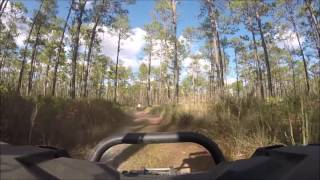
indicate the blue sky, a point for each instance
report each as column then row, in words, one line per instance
column 140, row 14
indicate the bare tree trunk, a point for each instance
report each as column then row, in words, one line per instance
column 47, row 77
column 216, row 40
column 75, row 49
column 102, row 84
column 108, row 89
column 266, row 55
column 224, row 59
column 175, row 62
column 101, row 87
column 168, row 89
column 92, row 38
column 317, row 37
column 83, row 70
column 84, row 79
column 220, row 56
column 117, row 64
column 159, row 97
column 54, row 81
column 293, row 76
column 212, row 89
column 237, row 72
column 24, row 59
column 215, row 62
column 313, row 16
column 193, row 87
column 34, row 51
column 149, row 74
column 258, row 62
column 302, row 54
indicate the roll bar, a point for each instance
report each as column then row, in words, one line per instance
column 157, row 138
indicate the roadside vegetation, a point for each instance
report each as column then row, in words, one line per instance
column 240, row 126
column 74, row 125
column 246, row 73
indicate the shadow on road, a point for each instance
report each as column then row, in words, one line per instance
column 198, row 161
column 125, row 155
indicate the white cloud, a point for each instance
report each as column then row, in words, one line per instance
column 288, row 39
column 203, row 62
column 23, row 33
column 130, row 48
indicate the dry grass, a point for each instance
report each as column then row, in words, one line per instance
column 241, row 126
column 74, row 125
column 238, row 126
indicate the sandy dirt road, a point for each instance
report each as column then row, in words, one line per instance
column 185, row 157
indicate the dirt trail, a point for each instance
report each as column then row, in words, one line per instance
column 186, row 157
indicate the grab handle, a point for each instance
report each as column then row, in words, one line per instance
column 157, row 138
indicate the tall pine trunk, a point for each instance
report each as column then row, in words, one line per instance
column 216, row 41
column 47, row 77
column 33, row 56
column 92, row 38
column 83, row 70
column 175, row 61
column 302, row 54
column 56, row 66
column 149, row 74
column 75, row 49
column 237, row 73
column 316, row 38
column 220, row 55
column 117, row 64
column 211, row 79
column 258, row 63
column 193, row 86
column 313, row 16
column 101, row 87
column 24, row 59
column 291, row 65
column 160, row 78
column 266, row 55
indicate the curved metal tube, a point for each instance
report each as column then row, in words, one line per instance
column 156, row 138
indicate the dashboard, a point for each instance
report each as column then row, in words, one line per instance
column 275, row 162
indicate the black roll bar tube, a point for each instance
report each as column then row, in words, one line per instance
column 157, row 138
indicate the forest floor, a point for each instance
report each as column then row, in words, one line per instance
column 185, row 157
